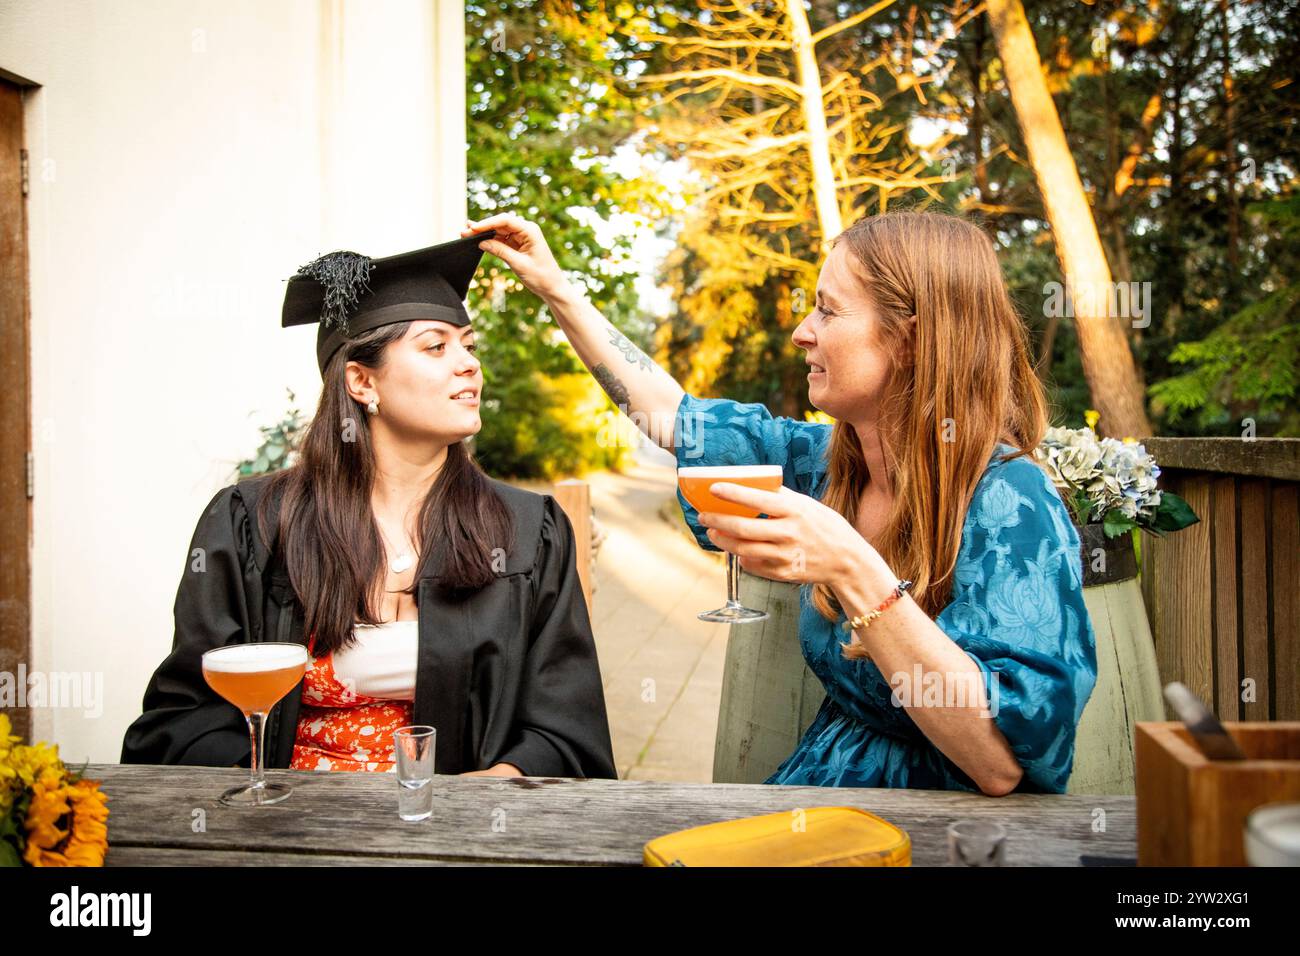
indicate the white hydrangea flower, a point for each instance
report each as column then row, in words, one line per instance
column 1114, row 475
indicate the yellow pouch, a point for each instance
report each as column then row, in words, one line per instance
column 824, row 836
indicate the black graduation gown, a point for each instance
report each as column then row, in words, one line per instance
column 507, row 674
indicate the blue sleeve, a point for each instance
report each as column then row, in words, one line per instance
column 718, row 431
column 1018, row 612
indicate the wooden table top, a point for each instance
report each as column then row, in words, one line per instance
column 165, row 815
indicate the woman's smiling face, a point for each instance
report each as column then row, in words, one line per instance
column 849, row 368
column 429, row 384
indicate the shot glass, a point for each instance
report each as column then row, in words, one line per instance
column 977, row 843
column 413, row 750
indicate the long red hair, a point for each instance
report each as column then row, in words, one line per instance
column 965, row 382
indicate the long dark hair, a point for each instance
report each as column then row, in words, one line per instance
column 326, row 532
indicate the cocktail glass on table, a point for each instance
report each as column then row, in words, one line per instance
column 695, row 483
column 254, row 677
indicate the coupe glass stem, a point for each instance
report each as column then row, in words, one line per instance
column 257, row 737
column 733, row 580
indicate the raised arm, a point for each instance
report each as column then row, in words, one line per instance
column 641, row 389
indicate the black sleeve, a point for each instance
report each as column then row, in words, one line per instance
column 184, row 720
column 561, row 725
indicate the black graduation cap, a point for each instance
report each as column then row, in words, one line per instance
column 348, row 293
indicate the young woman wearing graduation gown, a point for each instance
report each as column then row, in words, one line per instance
column 916, row 351
column 386, row 518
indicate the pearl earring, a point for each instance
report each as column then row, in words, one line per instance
column 373, row 407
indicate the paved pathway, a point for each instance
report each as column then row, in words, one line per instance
column 662, row 666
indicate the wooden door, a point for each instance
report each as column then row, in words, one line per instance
column 15, row 410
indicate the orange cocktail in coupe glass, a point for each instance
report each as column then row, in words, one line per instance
column 254, row 677
column 694, row 483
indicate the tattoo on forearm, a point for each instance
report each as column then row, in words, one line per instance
column 630, row 352
column 612, row 385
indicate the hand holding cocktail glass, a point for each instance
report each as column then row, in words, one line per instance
column 698, row 487
column 253, row 677
column 801, row 540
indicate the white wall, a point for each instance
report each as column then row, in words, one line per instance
column 186, row 157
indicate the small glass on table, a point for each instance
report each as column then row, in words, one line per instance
column 977, row 843
column 413, row 752
column 694, row 483
column 254, row 677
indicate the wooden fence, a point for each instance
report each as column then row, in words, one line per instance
column 574, row 496
column 1223, row 596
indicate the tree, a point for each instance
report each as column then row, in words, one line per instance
column 1180, row 117
column 791, row 123
column 1250, row 364
column 1167, row 116
column 542, row 125
column 1107, row 359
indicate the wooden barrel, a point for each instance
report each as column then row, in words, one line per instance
column 769, row 696
column 1128, row 682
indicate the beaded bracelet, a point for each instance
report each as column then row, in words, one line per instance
column 865, row 620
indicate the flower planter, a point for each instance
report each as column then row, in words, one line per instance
column 1128, row 686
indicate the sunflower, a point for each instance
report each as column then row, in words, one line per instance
column 31, row 762
column 22, row 766
column 81, row 807
column 9, row 783
column 7, row 737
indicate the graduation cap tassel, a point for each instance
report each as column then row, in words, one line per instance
column 343, row 276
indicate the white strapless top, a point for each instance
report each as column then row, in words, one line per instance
column 382, row 661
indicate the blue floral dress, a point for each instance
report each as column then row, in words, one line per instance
column 1017, row 610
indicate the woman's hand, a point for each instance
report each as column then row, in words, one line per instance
column 802, row 541
column 521, row 245
column 641, row 389
column 496, row 770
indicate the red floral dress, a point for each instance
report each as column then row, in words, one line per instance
column 339, row 729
